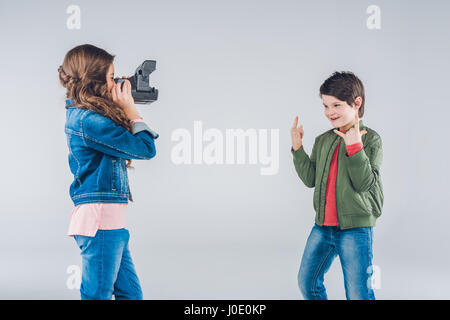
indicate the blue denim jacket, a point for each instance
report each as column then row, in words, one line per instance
column 98, row 148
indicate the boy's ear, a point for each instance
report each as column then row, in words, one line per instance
column 357, row 101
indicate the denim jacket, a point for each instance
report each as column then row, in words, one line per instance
column 98, row 148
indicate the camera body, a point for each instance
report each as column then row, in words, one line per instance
column 140, row 87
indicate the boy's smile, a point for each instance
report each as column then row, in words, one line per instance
column 339, row 112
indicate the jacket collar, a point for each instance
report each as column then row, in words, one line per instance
column 361, row 125
column 70, row 103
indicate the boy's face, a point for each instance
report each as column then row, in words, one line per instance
column 345, row 114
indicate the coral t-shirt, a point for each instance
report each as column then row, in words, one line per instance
column 330, row 194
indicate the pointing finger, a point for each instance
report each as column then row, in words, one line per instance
column 295, row 122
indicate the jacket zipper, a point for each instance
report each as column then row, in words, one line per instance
column 336, row 193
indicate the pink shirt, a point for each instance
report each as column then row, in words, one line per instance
column 87, row 218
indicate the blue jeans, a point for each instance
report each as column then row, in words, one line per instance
column 107, row 268
column 354, row 248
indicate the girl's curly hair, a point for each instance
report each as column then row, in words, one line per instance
column 83, row 73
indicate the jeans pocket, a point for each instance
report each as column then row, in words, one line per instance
column 82, row 241
column 78, row 240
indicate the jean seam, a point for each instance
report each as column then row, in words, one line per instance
column 133, row 285
column 112, row 194
column 136, row 289
column 101, row 262
column 112, row 147
column 121, row 175
column 369, row 240
column 313, row 289
column 84, row 135
column 76, row 159
column 123, row 200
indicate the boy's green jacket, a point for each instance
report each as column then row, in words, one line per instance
column 359, row 191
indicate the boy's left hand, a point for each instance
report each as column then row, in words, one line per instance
column 352, row 135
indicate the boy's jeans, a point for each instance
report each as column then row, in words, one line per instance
column 107, row 267
column 354, row 247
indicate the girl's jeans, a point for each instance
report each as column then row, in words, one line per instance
column 354, row 248
column 107, row 268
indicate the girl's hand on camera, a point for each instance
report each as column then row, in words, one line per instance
column 123, row 96
column 296, row 135
column 124, row 99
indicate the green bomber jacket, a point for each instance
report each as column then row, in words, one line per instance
column 359, row 191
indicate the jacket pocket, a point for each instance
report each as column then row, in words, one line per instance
column 353, row 203
column 316, row 199
column 375, row 197
column 123, row 167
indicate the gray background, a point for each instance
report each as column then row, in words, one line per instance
column 225, row 231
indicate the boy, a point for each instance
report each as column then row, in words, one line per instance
column 348, row 194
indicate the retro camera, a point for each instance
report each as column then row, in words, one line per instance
column 140, row 87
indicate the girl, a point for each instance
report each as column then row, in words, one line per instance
column 348, row 194
column 103, row 128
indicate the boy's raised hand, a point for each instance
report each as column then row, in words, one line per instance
column 296, row 135
column 352, row 135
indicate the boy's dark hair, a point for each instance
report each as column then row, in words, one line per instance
column 345, row 86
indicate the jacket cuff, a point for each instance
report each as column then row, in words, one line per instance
column 299, row 154
column 354, row 148
column 357, row 160
column 137, row 120
column 142, row 126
